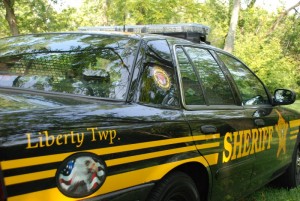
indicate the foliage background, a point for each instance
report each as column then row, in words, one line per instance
column 272, row 54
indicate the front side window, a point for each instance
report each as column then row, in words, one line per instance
column 82, row 64
column 205, row 72
column 250, row 87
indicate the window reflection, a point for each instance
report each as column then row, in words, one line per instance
column 91, row 65
column 214, row 83
column 251, row 89
column 158, row 84
column 191, row 87
column 158, row 51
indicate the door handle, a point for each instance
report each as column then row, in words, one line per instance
column 259, row 122
column 208, row 129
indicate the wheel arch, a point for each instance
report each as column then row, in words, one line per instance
column 198, row 172
column 200, row 175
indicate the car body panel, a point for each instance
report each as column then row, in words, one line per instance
column 95, row 128
column 138, row 137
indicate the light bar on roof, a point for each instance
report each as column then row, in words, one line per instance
column 155, row 28
column 194, row 32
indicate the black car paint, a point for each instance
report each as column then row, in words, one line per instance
column 61, row 117
column 56, row 114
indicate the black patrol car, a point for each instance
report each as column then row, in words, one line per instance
column 100, row 116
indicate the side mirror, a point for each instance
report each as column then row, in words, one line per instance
column 284, row 97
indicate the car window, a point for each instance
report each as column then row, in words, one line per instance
column 158, row 84
column 69, row 63
column 192, row 91
column 251, row 89
column 214, row 84
column 159, row 50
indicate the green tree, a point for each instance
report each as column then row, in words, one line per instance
column 10, row 16
column 272, row 56
column 4, row 30
column 214, row 14
column 130, row 12
column 94, row 13
column 37, row 16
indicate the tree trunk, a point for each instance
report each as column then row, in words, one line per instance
column 10, row 16
column 229, row 42
column 105, row 8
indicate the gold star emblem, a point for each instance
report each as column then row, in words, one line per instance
column 282, row 128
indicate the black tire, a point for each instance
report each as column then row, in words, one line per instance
column 176, row 186
column 293, row 172
column 291, row 178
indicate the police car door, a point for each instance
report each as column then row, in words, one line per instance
column 219, row 126
column 271, row 143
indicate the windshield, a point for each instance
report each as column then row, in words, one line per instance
column 74, row 63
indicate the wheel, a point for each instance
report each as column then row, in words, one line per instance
column 177, row 186
column 291, row 178
column 293, row 172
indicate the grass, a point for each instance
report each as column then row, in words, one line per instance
column 273, row 194
column 295, row 106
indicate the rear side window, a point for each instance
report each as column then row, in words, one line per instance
column 158, row 85
column 207, row 74
column 192, row 90
column 69, row 63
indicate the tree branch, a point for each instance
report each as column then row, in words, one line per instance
column 281, row 18
column 251, row 4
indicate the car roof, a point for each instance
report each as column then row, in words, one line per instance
column 137, row 36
